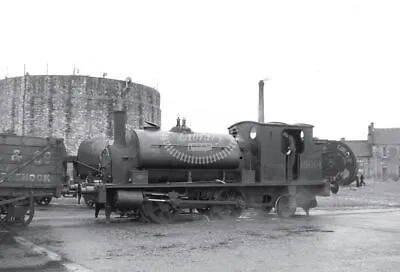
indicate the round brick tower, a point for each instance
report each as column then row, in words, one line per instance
column 72, row 107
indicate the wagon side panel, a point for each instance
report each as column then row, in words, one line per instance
column 31, row 164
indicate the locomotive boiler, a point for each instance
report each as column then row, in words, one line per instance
column 167, row 155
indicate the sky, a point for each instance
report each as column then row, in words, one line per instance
column 332, row 64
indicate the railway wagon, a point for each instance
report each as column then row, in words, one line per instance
column 31, row 168
column 157, row 174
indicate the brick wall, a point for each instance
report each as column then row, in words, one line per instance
column 72, row 107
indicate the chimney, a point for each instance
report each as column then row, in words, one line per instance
column 371, row 138
column 119, row 127
column 343, row 139
column 261, row 101
column 178, row 122
column 183, row 122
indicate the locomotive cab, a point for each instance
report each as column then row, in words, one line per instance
column 278, row 152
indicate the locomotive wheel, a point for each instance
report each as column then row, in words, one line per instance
column 44, row 201
column 283, row 208
column 227, row 211
column 160, row 212
column 4, row 216
column 143, row 217
column 334, row 186
column 204, row 211
column 89, row 202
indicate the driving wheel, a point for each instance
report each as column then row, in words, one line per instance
column 283, row 206
column 228, row 211
column 160, row 212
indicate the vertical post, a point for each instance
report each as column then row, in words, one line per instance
column 23, row 103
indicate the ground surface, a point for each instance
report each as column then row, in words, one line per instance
column 356, row 230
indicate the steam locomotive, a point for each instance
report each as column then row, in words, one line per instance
column 157, row 174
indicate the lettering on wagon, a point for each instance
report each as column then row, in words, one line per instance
column 29, row 177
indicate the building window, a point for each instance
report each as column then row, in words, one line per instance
column 384, row 151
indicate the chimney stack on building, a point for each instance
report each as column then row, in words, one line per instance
column 261, row 101
column 371, row 133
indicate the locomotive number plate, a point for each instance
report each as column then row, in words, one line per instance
column 311, row 164
column 199, row 147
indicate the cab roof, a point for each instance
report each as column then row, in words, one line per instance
column 279, row 124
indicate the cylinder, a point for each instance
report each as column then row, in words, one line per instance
column 128, row 199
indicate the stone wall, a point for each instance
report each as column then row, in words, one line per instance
column 72, row 107
column 386, row 161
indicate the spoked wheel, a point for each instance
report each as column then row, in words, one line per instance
column 160, row 212
column 21, row 214
column 4, row 215
column 44, row 201
column 143, row 217
column 228, row 211
column 334, row 187
column 283, row 207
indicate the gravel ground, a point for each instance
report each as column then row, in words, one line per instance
column 373, row 195
column 255, row 242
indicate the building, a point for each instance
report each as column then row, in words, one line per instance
column 379, row 155
column 72, row 107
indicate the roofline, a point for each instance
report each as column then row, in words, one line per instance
column 241, row 122
column 76, row 76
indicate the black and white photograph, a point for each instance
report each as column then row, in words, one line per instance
column 174, row 136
